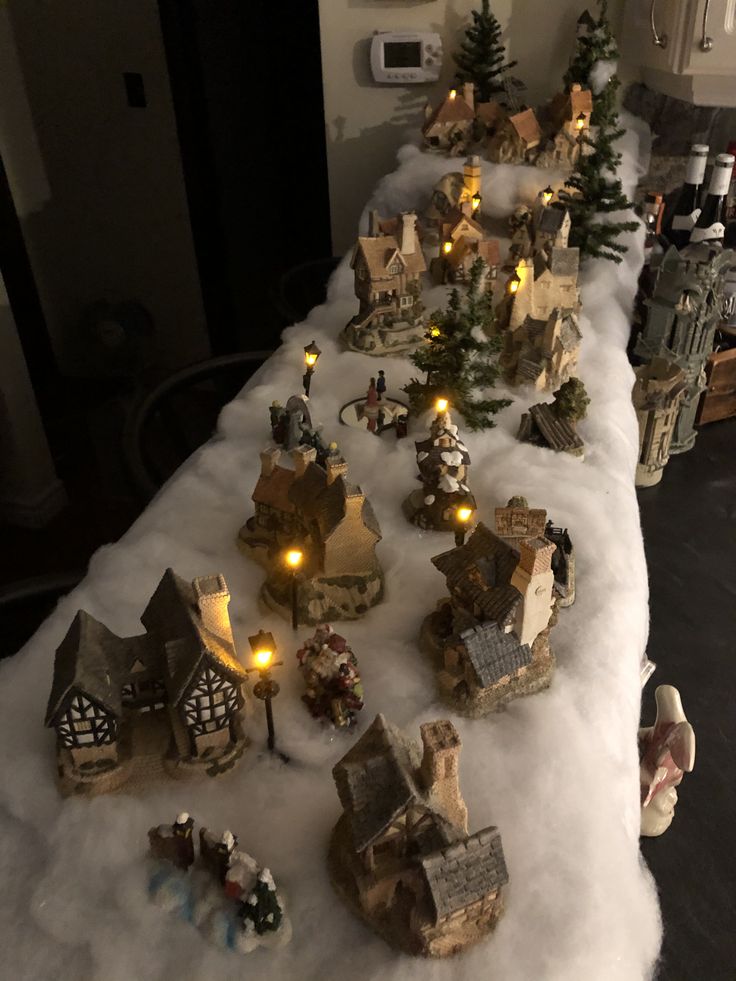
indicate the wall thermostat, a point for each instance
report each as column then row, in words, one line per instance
column 406, row 58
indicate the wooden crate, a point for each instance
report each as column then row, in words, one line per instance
column 719, row 399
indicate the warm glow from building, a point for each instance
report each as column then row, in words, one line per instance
column 514, row 283
column 476, row 201
column 464, row 514
column 447, row 247
column 453, row 94
column 263, row 658
column 580, row 122
column 294, row 558
column 441, row 405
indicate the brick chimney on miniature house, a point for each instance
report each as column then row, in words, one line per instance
column 408, row 233
column 302, row 457
column 213, row 598
column 472, row 176
column 534, row 579
column 269, row 458
column 439, row 770
column 335, row 467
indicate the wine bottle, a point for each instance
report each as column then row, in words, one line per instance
column 709, row 227
column 686, row 210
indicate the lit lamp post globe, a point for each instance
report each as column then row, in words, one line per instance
column 441, row 405
column 311, row 354
column 547, row 194
column 513, row 284
column 264, row 647
column 294, row 558
column 463, row 515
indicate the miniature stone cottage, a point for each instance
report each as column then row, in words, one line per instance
column 449, row 127
column 169, row 700
column 516, row 139
column 489, row 639
column 401, row 856
column 331, row 520
column 388, row 271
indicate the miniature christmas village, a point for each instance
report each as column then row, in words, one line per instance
column 171, row 700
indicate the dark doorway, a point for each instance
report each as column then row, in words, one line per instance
column 247, row 86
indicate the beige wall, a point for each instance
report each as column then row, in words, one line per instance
column 366, row 123
column 116, row 223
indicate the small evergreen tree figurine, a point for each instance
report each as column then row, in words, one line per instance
column 460, row 357
column 571, row 401
column 594, row 190
column 482, row 56
column 262, row 909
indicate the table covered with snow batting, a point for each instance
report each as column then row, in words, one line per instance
column 557, row 772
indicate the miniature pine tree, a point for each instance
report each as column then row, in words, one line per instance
column 482, row 54
column 262, row 908
column 594, row 190
column 460, row 357
column 571, row 401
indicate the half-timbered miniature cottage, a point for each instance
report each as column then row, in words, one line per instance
column 490, row 638
column 333, row 523
column 401, row 856
column 170, row 699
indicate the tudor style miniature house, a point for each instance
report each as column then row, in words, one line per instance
column 388, row 269
column 490, row 639
column 169, row 699
column 401, row 856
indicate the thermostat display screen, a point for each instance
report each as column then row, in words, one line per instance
column 402, row 54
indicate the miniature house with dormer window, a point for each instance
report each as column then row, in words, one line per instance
column 127, row 708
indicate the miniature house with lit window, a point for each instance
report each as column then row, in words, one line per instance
column 489, row 640
column 169, row 700
column 388, row 269
column 332, row 523
column 400, row 856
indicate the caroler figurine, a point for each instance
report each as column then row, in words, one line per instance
column 330, row 671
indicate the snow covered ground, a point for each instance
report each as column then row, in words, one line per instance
column 557, row 772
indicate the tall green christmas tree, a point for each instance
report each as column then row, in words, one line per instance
column 459, row 357
column 594, row 191
column 482, row 56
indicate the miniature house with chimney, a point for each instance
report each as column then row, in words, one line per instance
column 657, row 393
column 455, row 195
column 331, row 521
column 169, row 700
column 388, row 270
column 518, row 521
column 489, row 640
column 680, row 323
column 516, row 140
column 443, row 462
column 400, row 856
column 539, row 318
column 566, row 117
column 449, row 127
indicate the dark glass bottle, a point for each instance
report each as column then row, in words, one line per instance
column 710, row 224
column 686, row 210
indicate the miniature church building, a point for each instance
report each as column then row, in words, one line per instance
column 490, row 639
column 167, row 700
column 400, row 856
column 388, row 269
column 681, row 319
column 331, row 520
column 658, row 391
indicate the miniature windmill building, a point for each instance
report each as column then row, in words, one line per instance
column 336, row 526
column 388, row 271
column 658, row 391
column 401, row 856
column 490, row 638
column 450, row 125
column 168, row 700
column 681, row 319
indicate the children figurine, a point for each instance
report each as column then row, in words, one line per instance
column 232, row 900
column 330, row 670
column 381, row 385
column 666, row 753
column 370, row 409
